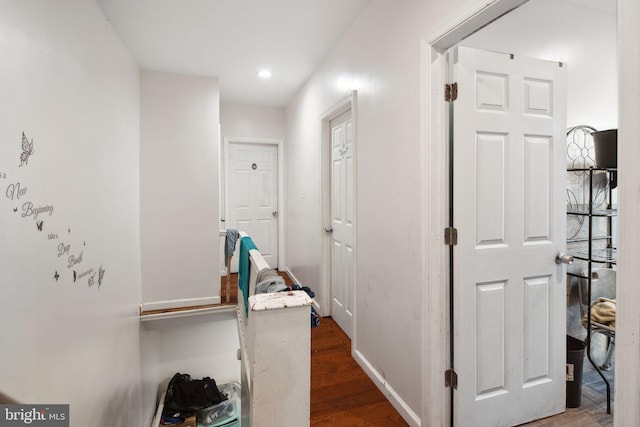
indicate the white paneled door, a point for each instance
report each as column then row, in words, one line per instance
column 509, row 183
column 252, row 199
column 342, row 195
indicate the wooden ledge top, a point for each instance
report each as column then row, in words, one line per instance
column 170, row 313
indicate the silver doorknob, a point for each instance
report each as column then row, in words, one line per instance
column 564, row 259
column 275, row 214
column 328, row 230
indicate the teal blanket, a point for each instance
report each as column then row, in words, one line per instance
column 246, row 244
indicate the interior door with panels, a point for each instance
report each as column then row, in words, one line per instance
column 252, row 201
column 342, row 221
column 509, row 294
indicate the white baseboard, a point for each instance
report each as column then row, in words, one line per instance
column 403, row 409
column 179, row 303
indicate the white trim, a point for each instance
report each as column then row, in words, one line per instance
column 435, row 205
column 178, row 303
column 392, row 396
column 474, row 16
column 341, row 106
column 281, row 201
column 627, row 365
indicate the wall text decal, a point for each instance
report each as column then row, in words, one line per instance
column 73, row 260
column 29, row 210
column 63, row 249
column 14, row 191
column 17, row 191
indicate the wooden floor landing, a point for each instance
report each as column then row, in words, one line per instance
column 341, row 393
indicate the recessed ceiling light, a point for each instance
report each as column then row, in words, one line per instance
column 264, row 73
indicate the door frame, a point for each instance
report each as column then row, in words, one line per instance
column 279, row 143
column 341, row 106
column 435, row 342
column 436, row 407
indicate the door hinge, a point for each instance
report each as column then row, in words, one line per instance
column 451, row 378
column 450, row 92
column 450, row 236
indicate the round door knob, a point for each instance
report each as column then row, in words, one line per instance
column 564, row 259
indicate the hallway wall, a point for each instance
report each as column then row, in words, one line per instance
column 179, row 138
column 70, row 292
column 380, row 57
column 237, row 120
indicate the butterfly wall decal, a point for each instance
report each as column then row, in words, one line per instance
column 56, row 275
column 39, row 225
column 27, row 150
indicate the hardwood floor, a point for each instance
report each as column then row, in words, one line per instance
column 341, row 393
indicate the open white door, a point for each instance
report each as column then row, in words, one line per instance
column 342, row 219
column 509, row 211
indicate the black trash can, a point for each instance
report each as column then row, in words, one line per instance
column 606, row 147
column 575, row 358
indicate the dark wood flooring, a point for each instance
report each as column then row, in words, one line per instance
column 343, row 395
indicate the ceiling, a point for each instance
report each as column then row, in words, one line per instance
column 234, row 39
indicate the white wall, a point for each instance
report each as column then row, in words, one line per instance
column 179, row 140
column 251, row 121
column 69, row 84
column 379, row 56
column 583, row 38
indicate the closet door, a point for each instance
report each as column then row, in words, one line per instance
column 509, row 293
